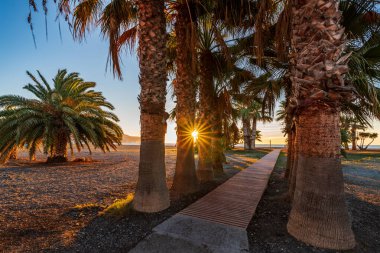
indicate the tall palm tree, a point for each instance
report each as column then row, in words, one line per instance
column 151, row 193
column 185, row 178
column 67, row 114
column 206, row 102
column 319, row 213
column 122, row 22
column 214, row 62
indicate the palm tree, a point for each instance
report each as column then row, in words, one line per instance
column 122, row 22
column 257, row 114
column 67, row 114
column 363, row 136
column 206, row 103
column 152, row 194
column 214, row 64
column 319, row 213
column 185, row 178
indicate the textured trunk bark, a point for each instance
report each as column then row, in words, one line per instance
column 319, row 213
column 353, row 137
column 206, row 93
column 60, row 149
column 13, row 154
column 294, row 162
column 152, row 194
column 289, row 128
column 226, row 134
column 247, row 134
column 254, row 129
column 289, row 154
column 185, row 178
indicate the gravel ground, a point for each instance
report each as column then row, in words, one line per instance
column 37, row 202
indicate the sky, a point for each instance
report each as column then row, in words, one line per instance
column 89, row 58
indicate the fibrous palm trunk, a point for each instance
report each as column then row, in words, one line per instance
column 152, row 194
column 206, row 93
column 246, row 134
column 289, row 153
column 289, row 129
column 59, row 154
column 185, row 178
column 13, row 154
column 253, row 135
column 353, row 137
column 294, row 161
column 319, row 213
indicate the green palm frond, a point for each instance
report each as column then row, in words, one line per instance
column 70, row 106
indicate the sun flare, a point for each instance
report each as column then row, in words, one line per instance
column 195, row 135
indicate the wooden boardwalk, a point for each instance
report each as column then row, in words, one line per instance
column 234, row 202
column 217, row 222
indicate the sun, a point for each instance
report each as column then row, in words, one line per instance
column 195, row 135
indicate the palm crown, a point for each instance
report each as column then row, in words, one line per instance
column 69, row 113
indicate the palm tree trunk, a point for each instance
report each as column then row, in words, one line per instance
column 13, row 154
column 60, row 149
column 247, row 134
column 289, row 128
column 319, row 213
column 254, row 129
column 152, row 194
column 185, row 178
column 289, row 154
column 206, row 98
column 353, row 137
column 294, row 161
column 226, row 134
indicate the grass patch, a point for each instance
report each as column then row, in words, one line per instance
column 281, row 160
column 362, row 155
column 86, row 207
column 256, row 153
column 120, row 208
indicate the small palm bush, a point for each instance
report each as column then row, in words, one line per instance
column 67, row 115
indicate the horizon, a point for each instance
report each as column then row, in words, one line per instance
column 89, row 59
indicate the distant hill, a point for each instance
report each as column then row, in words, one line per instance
column 131, row 139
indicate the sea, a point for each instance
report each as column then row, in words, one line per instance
column 371, row 147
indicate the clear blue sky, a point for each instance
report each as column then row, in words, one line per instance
column 89, row 58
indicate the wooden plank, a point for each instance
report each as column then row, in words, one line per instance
column 234, row 202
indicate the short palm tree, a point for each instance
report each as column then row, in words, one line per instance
column 68, row 113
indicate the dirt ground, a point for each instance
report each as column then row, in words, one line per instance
column 38, row 202
column 267, row 230
column 34, row 197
